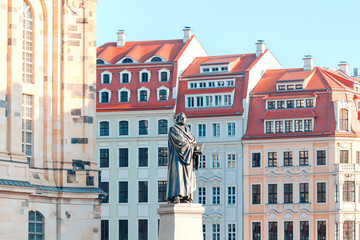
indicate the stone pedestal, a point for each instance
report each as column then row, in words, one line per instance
column 182, row 221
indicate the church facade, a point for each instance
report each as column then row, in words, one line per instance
column 48, row 175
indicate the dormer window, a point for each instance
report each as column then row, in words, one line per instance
column 299, row 86
column 215, row 69
column 100, row 61
column 144, row 76
column 220, row 83
column 281, row 87
column 206, row 69
column 224, row 68
column 156, row 59
column 127, row 60
column 202, row 84
column 290, row 87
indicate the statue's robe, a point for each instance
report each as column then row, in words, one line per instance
column 181, row 173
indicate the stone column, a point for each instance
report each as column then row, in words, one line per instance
column 181, row 221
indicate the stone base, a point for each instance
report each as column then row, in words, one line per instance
column 181, row 221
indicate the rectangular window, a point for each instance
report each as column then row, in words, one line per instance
column 272, row 159
column 288, row 230
column 231, row 195
column 123, row 230
column 143, row 229
column 123, row 157
column 231, row 129
column 321, row 230
column 273, row 229
column 231, row 232
column 216, row 160
column 255, row 160
column 344, row 156
column 204, row 231
column 290, row 104
column 308, row 127
column 227, row 100
column 271, row 105
column 309, row 102
column 143, row 157
column 349, row 191
column 298, row 125
column 208, row 101
column 105, row 187
column 163, row 76
column 272, row 193
column 256, row 231
column 300, row 103
column 203, row 161
column 104, row 230
column 104, row 158
column 280, row 104
column 231, row 160
column 357, row 157
column 298, row 86
column 162, row 156
column 190, row 102
column 304, row 230
column 125, row 78
column 303, row 158
column 304, row 192
column 269, row 126
column 288, row 158
column 123, row 192
column 290, row 87
column 27, row 126
column 289, row 126
column 256, row 193
column 216, row 232
column 199, row 101
column 281, row 87
column 321, row 192
column 143, row 191
column 162, row 191
column 218, row 100
column 216, row 195
column 202, row 130
column 202, row 195
column 349, row 230
column 144, row 77
column 288, row 193
column 320, row 157
column 216, row 129
column 279, row 128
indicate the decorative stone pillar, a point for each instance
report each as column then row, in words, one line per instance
column 181, row 221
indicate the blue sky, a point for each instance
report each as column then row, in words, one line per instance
column 329, row 30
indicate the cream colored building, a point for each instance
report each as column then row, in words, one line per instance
column 48, row 175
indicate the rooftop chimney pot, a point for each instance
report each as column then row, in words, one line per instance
column 260, row 47
column 121, row 38
column 344, row 66
column 187, row 34
column 356, row 72
column 308, row 62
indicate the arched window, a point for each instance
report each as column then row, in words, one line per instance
column 156, row 59
column 143, row 127
column 100, row 61
column 162, row 126
column 344, row 121
column 124, row 97
column 162, row 95
column 127, row 60
column 123, row 128
column 104, row 128
column 143, row 96
column 27, row 44
column 36, row 225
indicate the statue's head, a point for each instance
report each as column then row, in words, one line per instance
column 181, row 118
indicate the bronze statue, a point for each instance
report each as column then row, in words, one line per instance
column 184, row 159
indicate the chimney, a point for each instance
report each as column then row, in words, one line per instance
column 356, row 72
column 260, row 47
column 344, row 66
column 121, row 38
column 308, row 62
column 187, row 34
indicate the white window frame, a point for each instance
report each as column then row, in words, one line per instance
column 149, row 60
column 251, row 192
column 212, row 160
column 315, row 157
column 104, row 90
column 164, row 70
column 293, row 225
column 251, row 166
column 283, row 191
column 144, row 71
column 148, row 94
column 227, row 231
column 121, row 76
column 308, row 193
column 327, row 192
column 100, row 148
column 293, row 125
column 123, row 90
column 277, row 193
column 102, row 77
column 198, row 126
column 120, row 61
column 234, row 129
column 158, row 93
column 227, row 195
column 216, row 126
column 212, row 195
column 327, row 226
column 267, row 158
column 98, row 128
column 105, row 62
column 251, row 223
column 118, row 131
column 227, row 160
column 278, row 227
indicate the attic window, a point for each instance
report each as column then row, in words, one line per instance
column 215, row 69
column 156, row 59
column 100, row 61
column 224, row 68
column 206, row 70
column 281, row 87
column 127, row 60
column 299, row 86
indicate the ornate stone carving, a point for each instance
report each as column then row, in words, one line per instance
column 75, row 5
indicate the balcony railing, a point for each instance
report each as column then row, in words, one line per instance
column 347, row 167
